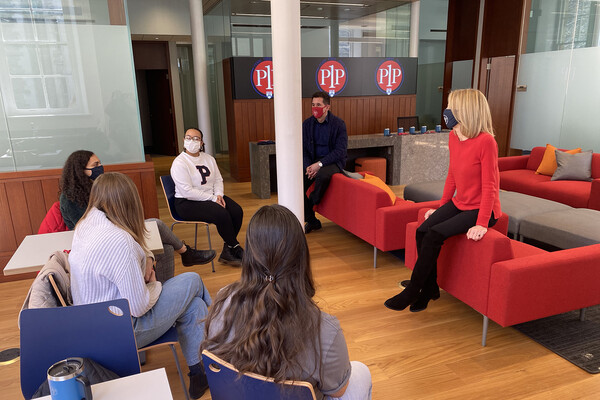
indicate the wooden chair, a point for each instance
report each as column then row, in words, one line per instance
column 168, row 187
column 100, row 331
column 169, row 338
column 226, row 383
column 407, row 122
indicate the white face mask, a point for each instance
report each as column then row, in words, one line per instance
column 192, row 146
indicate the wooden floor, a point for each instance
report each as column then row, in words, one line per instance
column 435, row 354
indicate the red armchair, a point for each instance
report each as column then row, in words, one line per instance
column 367, row 211
column 512, row 282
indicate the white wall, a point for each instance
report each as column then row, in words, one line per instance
column 159, row 17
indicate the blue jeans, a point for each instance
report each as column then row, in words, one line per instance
column 359, row 385
column 184, row 303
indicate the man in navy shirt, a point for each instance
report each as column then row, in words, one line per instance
column 324, row 144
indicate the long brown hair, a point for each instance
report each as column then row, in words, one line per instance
column 271, row 319
column 116, row 196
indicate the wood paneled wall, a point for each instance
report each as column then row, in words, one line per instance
column 26, row 197
column 251, row 120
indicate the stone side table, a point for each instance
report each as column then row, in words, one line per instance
column 410, row 158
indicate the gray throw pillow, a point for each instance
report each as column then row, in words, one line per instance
column 574, row 167
column 353, row 175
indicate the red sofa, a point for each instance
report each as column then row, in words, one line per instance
column 367, row 211
column 517, row 174
column 512, row 282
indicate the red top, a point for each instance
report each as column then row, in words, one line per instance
column 473, row 173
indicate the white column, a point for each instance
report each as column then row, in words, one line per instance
column 287, row 94
column 415, row 10
column 200, row 74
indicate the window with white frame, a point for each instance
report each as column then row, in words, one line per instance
column 38, row 71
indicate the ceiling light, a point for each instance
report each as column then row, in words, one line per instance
column 249, row 15
column 325, row 3
column 334, row 4
column 268, row 15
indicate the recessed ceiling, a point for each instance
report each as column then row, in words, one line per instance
column 327, row 9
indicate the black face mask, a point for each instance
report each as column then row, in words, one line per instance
column 449, row 118
column 96, row 171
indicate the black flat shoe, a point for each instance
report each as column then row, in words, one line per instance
column 402, row 300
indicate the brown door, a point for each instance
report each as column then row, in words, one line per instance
column 496, row 82
column 161, row 112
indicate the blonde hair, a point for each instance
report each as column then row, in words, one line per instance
column 116, row 195
column 471, row 110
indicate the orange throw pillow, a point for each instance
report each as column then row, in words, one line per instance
column 375, row 181
column 548, row 164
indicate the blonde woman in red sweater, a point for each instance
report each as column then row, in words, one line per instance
column 470, row 203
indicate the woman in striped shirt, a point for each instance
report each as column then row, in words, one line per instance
column 110, row 260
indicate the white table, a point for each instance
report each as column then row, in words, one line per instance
column 149, row 385
column 34, row 250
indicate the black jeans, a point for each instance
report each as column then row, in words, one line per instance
column 228, row 220
column 445, row 222
column 321, row 181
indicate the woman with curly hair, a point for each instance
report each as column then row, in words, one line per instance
column 76, row 184
column 81, row 169
column 268, row 323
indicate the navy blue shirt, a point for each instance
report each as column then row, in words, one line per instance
column 337, row 141
column 322, row 138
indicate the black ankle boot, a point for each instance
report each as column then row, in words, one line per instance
column 422, row 302
column 196, row 257
column 198, row 384
column 403, row 299
column 229, row 256
column 434, row 295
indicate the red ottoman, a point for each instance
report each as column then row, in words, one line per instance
column 375, row 165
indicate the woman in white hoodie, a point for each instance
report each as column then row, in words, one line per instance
column 199, row 195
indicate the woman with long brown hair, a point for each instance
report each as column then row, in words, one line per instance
column 109, row 260
column 268, row 323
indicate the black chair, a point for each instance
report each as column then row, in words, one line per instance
column 407, row 122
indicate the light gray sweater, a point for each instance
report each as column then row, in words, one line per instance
column 107, row 264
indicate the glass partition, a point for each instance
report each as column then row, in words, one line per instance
column 561, row 101
column 432, row 49
column 66, row 83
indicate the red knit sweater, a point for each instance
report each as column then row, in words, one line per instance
column 473, row 173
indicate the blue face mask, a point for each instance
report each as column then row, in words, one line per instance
column 449, row 118
column 96, row 171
